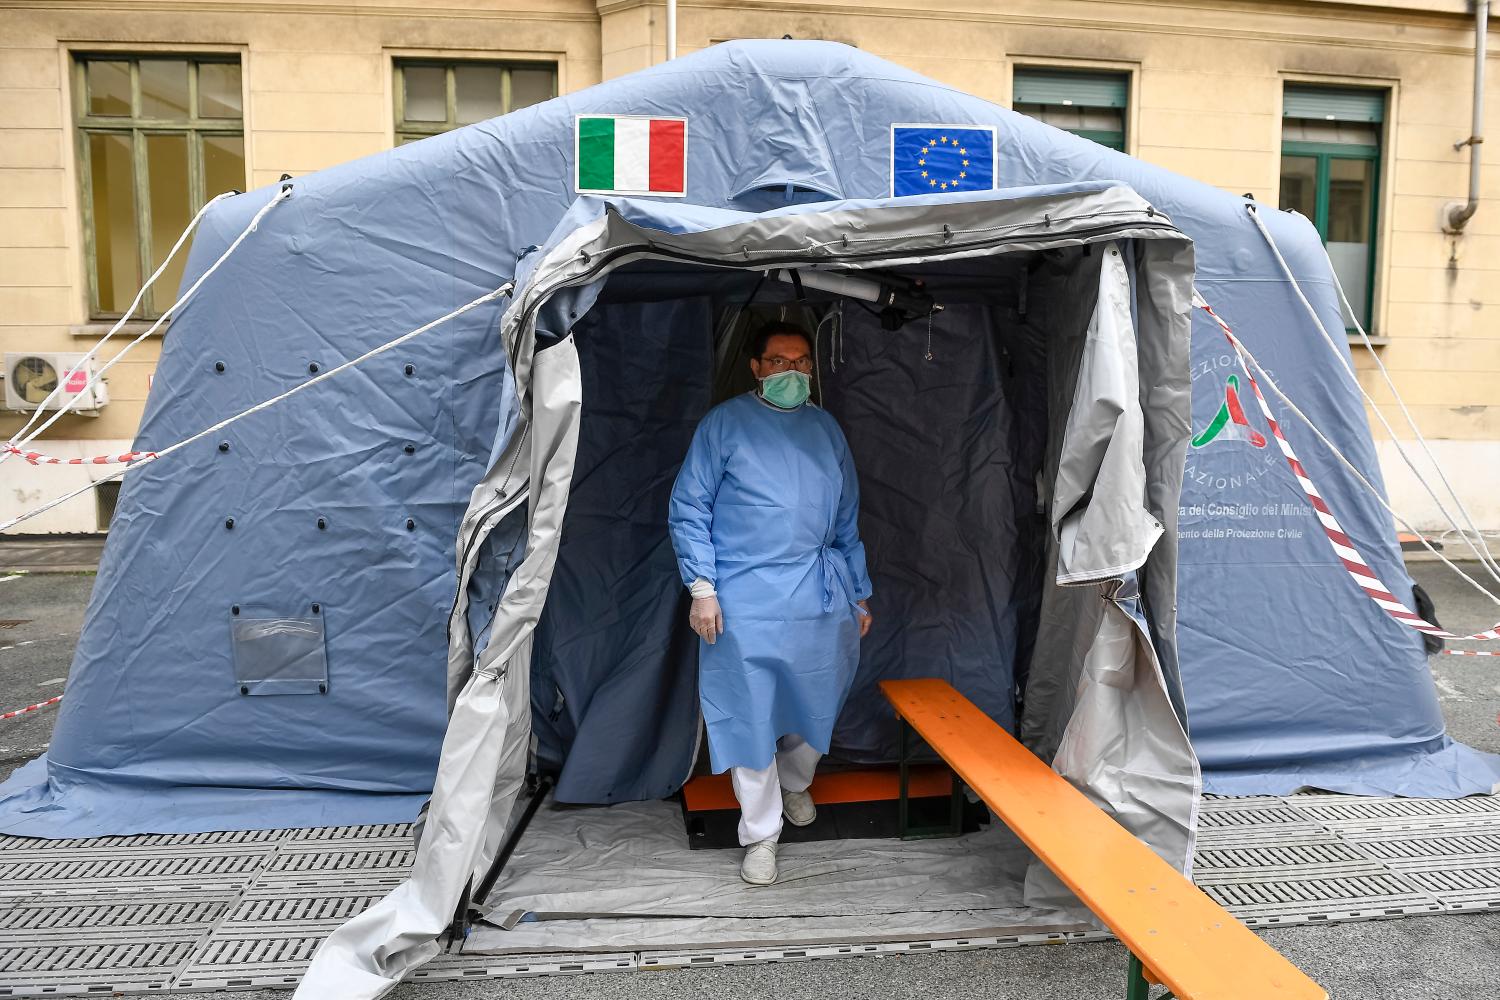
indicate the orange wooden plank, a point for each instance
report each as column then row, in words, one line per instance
column 715, row 791
column 1191, row 943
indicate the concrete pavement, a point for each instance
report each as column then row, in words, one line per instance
column 71, row 554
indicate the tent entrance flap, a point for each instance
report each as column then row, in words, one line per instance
column 963, row 423
column 569, row 618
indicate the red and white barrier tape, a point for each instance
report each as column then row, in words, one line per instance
column 31, row 708
column 1359, row 570
column 1471, row 652
column 37, row 458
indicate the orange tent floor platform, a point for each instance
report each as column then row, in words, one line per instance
column 853, row 804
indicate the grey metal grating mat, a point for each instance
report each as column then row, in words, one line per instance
column 247, row 909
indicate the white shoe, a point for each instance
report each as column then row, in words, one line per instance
column 798, row 807
column 759, row 866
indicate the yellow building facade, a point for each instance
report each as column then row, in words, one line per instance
column 118, row 119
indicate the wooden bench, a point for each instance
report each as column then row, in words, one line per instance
column 1177, row 935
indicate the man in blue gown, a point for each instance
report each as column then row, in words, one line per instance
column 765, row 522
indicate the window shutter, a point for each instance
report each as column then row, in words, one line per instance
column 1071, row 89
column 1333, row 104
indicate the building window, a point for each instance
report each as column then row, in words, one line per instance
column 157, row 137
column 1330, row 172
column 1085, row 103
column 436, row 96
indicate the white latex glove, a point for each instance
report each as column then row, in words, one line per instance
column 706, row 618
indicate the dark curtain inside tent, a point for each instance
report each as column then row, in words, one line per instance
column 948, row 427
column 613, row 685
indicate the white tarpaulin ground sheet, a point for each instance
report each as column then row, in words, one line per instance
column 623, row 877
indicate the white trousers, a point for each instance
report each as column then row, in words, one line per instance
column 759, row 792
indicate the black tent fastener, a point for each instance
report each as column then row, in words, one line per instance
column 796, row 277
column 472, row 898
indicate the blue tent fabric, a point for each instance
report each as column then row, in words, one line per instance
column 1292, row 676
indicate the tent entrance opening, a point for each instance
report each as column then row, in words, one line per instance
column 950, row 421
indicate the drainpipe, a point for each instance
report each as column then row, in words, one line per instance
column 672, row 36
column 1458, row 215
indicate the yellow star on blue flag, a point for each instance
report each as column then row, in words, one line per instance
column 942, row 158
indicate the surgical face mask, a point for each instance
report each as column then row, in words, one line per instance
column 787, row 390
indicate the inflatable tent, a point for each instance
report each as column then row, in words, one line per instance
column 265, row 641
column 1081, row 393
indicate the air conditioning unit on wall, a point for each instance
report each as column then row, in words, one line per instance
column 31, row 376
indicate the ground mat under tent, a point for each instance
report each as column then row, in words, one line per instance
column 625, row 878
column 216, row 911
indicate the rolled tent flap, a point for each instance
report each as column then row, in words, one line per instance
column 1140, row 776
column 482, row 768
column 1124, row 746
column 1112, row 729
column 1098, row 508
column 483, row 762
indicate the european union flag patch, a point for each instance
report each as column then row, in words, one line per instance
column 938, row 158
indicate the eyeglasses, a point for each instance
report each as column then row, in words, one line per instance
column 777, row 365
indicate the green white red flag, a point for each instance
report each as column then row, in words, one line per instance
column 631, row 154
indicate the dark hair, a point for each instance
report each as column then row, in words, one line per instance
column 780, row 328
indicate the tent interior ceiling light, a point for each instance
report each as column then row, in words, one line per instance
column 897, row 305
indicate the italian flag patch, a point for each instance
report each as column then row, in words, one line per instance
column 631, row 154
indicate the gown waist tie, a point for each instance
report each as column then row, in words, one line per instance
column 838, row 584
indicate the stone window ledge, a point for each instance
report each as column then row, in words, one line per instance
column 94, row 329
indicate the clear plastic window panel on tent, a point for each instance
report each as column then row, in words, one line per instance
column 278, row 654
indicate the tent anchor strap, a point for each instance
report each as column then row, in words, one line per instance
column 1137, row 986
column 467, row 911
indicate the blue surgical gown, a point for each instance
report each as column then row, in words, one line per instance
column 766, row 508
